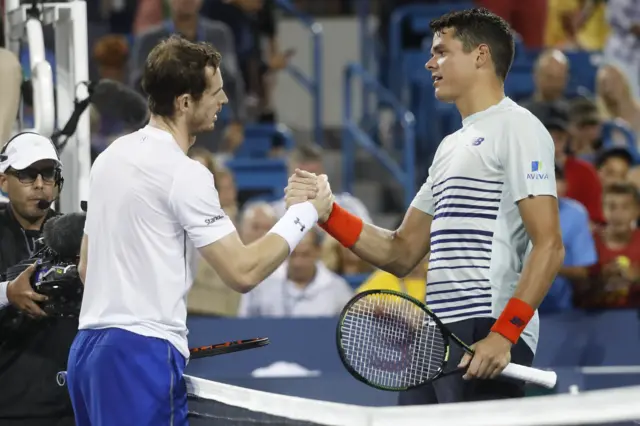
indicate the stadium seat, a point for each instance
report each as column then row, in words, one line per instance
column 259, row 139
column 260, row 176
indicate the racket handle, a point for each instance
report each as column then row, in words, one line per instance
column 543, row 378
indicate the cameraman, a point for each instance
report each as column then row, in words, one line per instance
column 33, row 346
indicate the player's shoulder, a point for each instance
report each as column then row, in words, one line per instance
column 517, row 117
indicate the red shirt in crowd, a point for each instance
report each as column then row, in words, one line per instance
column 583, row 185
column 617, row 289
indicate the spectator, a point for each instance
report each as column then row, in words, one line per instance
column 585, row 129
column 577, row 24
column 580, row 252
column 309, row 289
column 527, row 18
column 581, row 177
column 615, row 276
column 309, row 157
column 257, row 219
column 341, row 260
column 623, row 47
column 613, row 166
column 111, row 52
column 185, row 20
column 615, row 98
column 253, row 23
column 550, row 75
column 414, row 284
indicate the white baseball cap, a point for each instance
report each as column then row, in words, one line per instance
column 25, row 149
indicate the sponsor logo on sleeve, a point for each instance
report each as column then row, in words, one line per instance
column 537, row 171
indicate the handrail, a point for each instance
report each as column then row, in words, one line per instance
column 313, row 83
column 353, row 135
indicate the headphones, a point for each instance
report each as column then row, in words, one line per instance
column 58, row 179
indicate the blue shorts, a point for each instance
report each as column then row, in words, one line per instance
column 119, row 378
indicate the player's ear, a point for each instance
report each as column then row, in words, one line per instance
column 483, row 55
column 183, row 102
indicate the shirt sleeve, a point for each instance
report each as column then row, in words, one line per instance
column 527, row 156
column 580, row 247
column 194, row 200
column 424, row 198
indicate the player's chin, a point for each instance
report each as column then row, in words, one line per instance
column 444, row 95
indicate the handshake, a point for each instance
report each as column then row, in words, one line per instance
column 304, row 186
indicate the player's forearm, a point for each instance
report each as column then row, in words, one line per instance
column 541, row 268
column 260, row 260
column 384, row 249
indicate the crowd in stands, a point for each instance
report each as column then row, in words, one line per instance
column 596, row 170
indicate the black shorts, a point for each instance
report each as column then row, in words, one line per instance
column 453, row 388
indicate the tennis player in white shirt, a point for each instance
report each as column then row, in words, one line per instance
column 147, row 200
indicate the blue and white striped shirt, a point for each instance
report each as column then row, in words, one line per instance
column 478, row 240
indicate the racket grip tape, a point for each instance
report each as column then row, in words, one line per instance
column 343, row 226
column 536, row 376
column 513, row 320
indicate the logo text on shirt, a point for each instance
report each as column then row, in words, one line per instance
column 214, row 219
column 477, row 141
column 537, row 172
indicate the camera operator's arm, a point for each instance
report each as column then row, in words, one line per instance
column 20, row 294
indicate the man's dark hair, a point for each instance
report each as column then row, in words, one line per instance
column 305, row 153
column 174, row 67
column 616, row 152
column 623, row 188
column 474, row 27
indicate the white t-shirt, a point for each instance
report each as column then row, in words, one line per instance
column 325, row 296
column 147, row 201
column 478, row 241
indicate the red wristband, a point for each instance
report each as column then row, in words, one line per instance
column 343, row 226
column 514, row 319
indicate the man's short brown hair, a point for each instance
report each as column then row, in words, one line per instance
column 174, row 67
column 622, row 188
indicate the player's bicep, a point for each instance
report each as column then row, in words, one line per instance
column 541, row 220
column 527, row 157
column 194, row 200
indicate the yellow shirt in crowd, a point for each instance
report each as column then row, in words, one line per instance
column 593, row 34
column 381, row 280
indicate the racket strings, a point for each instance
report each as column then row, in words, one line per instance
column 391, row 342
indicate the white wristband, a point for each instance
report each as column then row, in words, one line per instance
column 296, row 222
column 4, row 300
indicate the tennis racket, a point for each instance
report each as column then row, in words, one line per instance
column 227, row 347
column 391, row 341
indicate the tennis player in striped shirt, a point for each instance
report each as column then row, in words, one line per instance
column 488, row 214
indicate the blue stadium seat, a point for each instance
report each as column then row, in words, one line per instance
column 259, row 175
column 355, row 280
column 260, row 138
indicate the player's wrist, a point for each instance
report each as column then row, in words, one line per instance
column 513, row 320
column 325, row 217
column 296, row 222
column 343, row 226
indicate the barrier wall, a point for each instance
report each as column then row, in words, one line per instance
column 569, row 343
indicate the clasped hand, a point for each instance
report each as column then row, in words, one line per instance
column 304, row 186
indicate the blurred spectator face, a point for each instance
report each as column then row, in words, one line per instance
column 560, row 140
column 620, row 211
column 613, row 170
column 311, row 166
column 611, row 84
column 185, row 8
column 302, row 262
column 226, row 188
column 256, row 222
column 201, row 117
column 551, row 75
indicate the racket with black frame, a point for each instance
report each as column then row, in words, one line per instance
column 392, row 341
column 227, row 347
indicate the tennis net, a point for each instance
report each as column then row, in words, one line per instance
column 216, row 404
